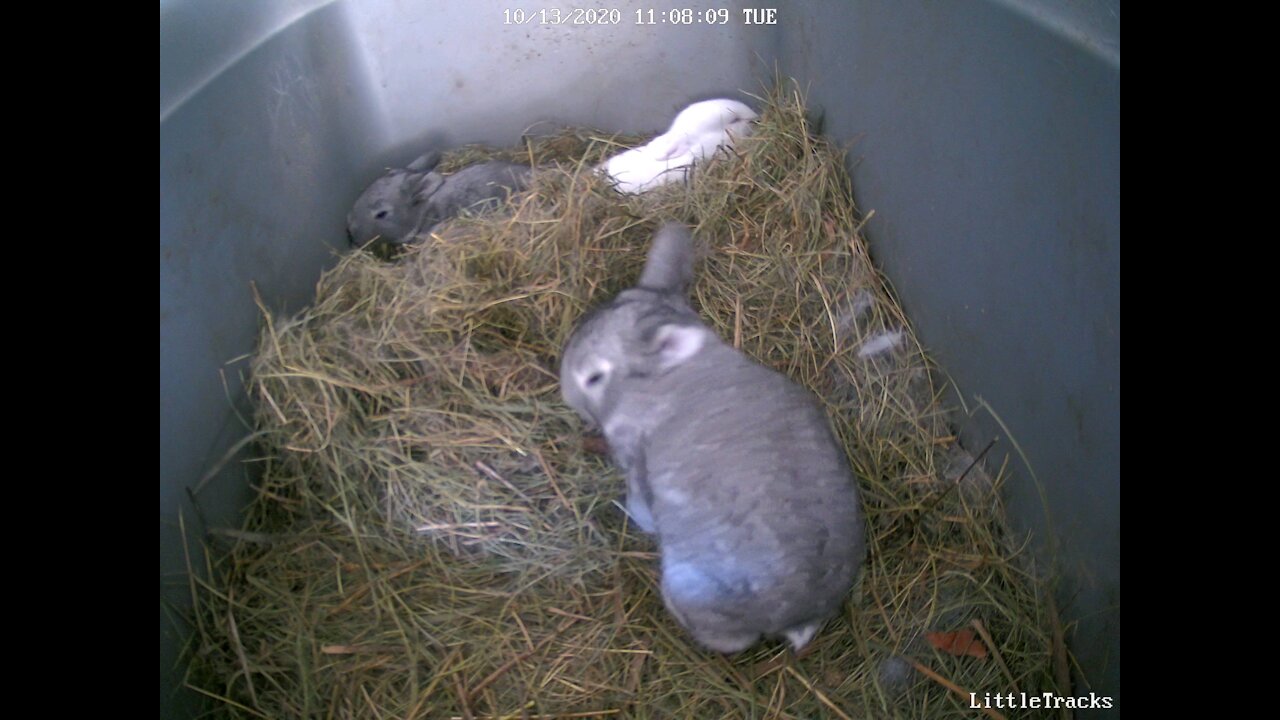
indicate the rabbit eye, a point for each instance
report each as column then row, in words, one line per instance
column 594, row 378
column 381, row 214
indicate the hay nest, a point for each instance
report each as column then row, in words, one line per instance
column 432, row 537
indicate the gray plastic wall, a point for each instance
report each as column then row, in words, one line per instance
column 985, row 135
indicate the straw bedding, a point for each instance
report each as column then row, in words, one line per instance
column 433, row 535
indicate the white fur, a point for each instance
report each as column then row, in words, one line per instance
column 695, row 135
column 877, row 344
column 862, row 302
column 799, row 637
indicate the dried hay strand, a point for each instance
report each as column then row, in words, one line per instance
column 432, row 539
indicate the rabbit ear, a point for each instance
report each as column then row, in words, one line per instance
column 426, row 162
column 670, row 264
column 423, row 187
column 675, row 344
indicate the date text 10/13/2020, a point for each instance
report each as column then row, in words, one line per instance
column 596, row 16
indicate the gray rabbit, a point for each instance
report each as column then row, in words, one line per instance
column 731, row 464
column 405, row 204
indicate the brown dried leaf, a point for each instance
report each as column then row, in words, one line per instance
column 958, row 642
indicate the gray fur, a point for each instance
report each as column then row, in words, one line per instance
column 731, row 464
column 669, row 266
column 405, row 204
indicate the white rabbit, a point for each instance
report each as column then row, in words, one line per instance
column 731, row 464
column 695, row 135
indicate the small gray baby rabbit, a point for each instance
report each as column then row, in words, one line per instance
column 405, row 204
column 731, row 464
